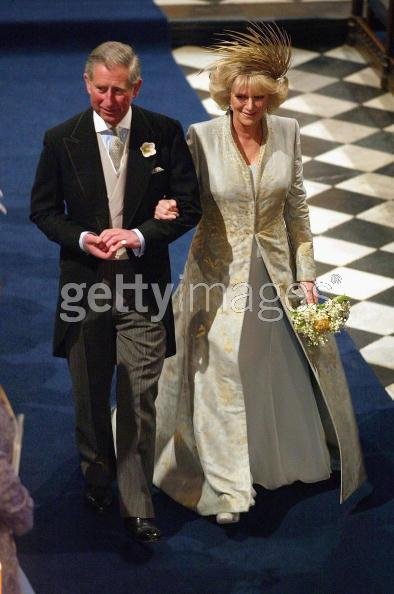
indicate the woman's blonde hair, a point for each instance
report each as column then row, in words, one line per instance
column 222, row 80
column 259, row 57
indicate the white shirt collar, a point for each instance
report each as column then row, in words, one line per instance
column 101, row 126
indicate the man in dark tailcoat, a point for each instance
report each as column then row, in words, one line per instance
column 99, row 177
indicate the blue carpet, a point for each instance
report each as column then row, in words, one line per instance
column 297, row 539
column 84, row 11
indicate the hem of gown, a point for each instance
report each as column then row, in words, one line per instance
column 212, row 510
column 297, row 480
column 243, row 509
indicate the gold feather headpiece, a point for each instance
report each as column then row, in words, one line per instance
column 264, row 48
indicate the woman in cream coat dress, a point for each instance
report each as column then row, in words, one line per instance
column 245, row 400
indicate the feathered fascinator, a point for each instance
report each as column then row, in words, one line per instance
column 263, row 48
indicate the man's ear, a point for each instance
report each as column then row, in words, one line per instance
column 87, row 82
column 136, row 88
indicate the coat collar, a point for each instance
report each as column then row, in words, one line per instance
column 84, row 154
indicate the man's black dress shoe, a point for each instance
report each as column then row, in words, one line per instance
column 142, row 529
column 98, row 498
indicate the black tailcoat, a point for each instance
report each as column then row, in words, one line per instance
column 69, row 196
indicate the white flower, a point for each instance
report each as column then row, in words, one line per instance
column 148, row 149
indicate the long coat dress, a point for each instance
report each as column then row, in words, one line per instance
column 245, row 400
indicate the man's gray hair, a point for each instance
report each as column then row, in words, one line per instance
column 114, row 53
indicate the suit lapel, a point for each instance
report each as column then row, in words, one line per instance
column 139, row 168
column 85, row 158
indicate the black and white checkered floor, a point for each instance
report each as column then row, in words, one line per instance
column 347, row 126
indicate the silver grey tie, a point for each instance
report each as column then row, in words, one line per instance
column 116, row 149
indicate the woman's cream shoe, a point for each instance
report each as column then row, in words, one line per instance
column 227, row 518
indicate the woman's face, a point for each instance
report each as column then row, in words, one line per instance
column 248, row 105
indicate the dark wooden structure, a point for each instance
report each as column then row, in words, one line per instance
column 371, row 25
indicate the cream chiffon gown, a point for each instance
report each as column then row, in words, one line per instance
column 285, row 435
column 236, row 404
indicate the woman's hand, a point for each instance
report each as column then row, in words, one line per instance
column 166, row 210
column 310, row 291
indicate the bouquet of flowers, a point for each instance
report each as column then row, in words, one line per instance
column 317, row 321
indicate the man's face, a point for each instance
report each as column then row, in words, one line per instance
column 110, row 92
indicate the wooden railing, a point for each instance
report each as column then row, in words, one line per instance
column 371, row 25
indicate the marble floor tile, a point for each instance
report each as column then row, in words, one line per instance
column 389, row 247
column 378, row 262
column 313, row 188
column 356, row 284
column 382, row 214
column 380, row 352
column 307, row 82
column 323, row 219
column 367, row 116
column 363, row 232
column 371, row 184
column 338, row 252
column 300, row 56
column 360, row 337
column 385, row 102
column 380, row 141
column 346, row 52
column 303, row 119
column 344, row 132
column 390, row 390
column 349, row 91
column 387, row 169
column 321, row 269
column 344, row 201
column 318, row 105
column 312, row 146
column 327, row 173
column 371, row 316
column 193, row 56
column 212, row 107
column 199, row 80
column 331, row 67
column 356, row 157
column 366, row 76
column 384, row 374
column 202, row 94
column 386, row 297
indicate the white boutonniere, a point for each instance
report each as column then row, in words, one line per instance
column 148, row 149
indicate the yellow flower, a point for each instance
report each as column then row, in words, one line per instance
column 322, row 325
